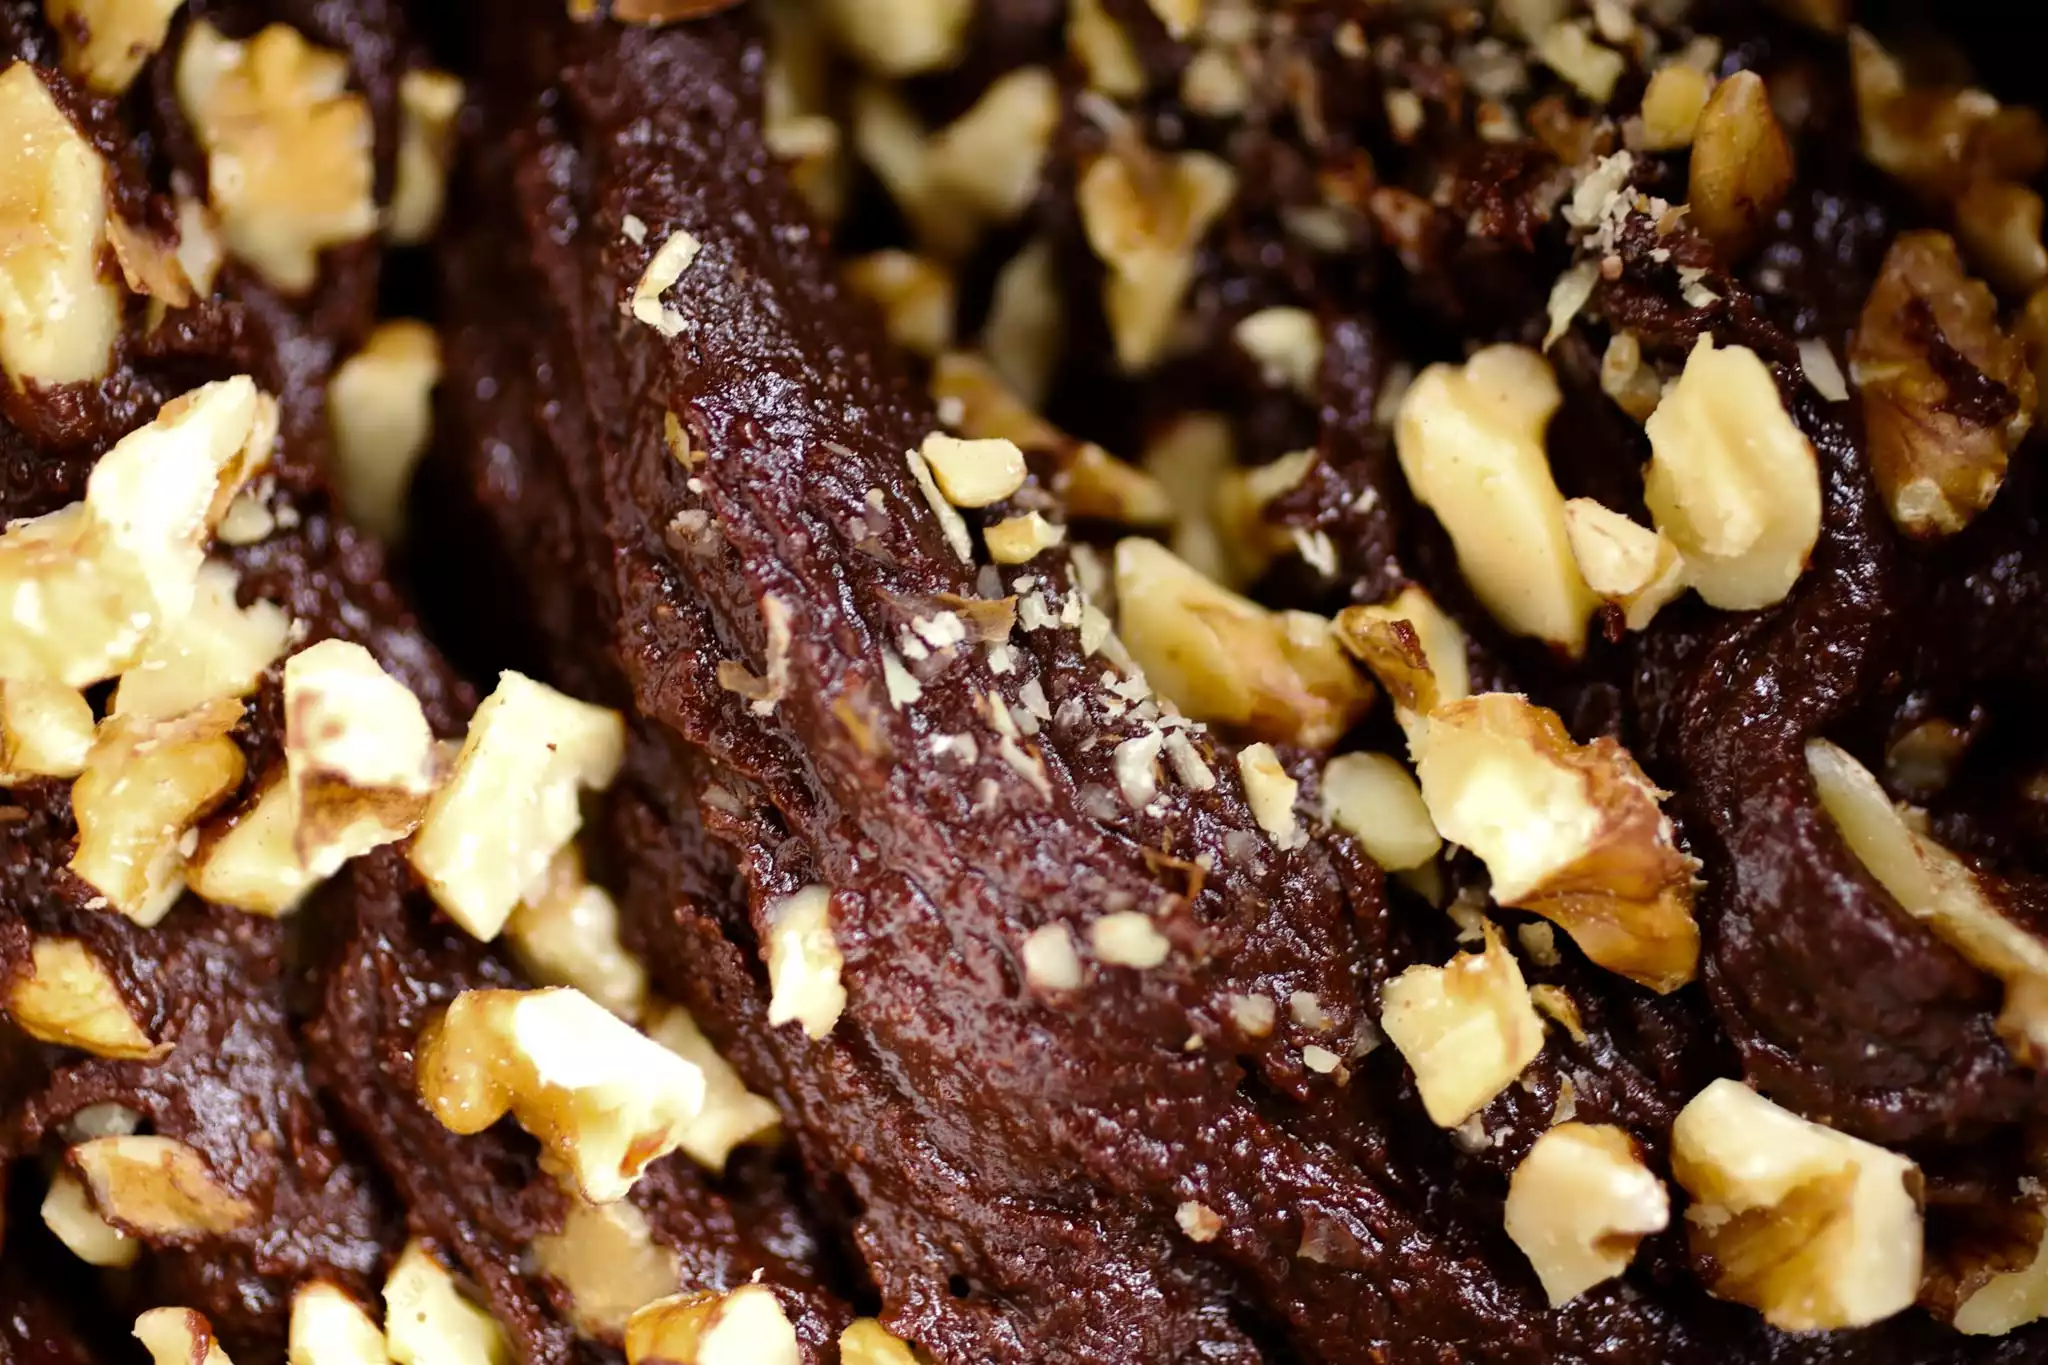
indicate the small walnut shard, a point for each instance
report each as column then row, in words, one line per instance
column 1634, row 567
column 179, row 1336
column 1570, row 831
column 59, row 312
column 428, row 103
column 1466, row 1029
column 867, row 1342
column 1569, row 50
column 1732, row 482
column 1271, row 793
column 1021, row 539
column 68, row 1213
column 915, row 295
column 1223, row 658
column 1672, row 104
column 380, row 408
column 988, row 162
column 1470, row 438
column 744, row 1327
column 1814, row 1229
column 1947, row 394
column 1146, row 221
column 1287, row 344
column 1104, row 49
column 565, row 932
column 1129, row 938
column 1939, row 889
column 1741, row 164
column 1050, row 961
column 156, row 1187
column 2007, row 1301
column 901, row 37
column 1579, row 1204
column 607, row 1261
column 427, row 1321
column 106, row 43
column 603, row 1099
column 664, row 268
column 215, row 650
column 804, row 963
column 732, row 1116
column 1373, row 798
column 289, row 167
column 358, row 753
column 253, row 863
column 1415, row 650
column 974, row 473
column 68, row 997
column 512, row 802
column 328, row 1327
column 45, row 731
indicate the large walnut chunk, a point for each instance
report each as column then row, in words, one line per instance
column 804, row 963
column 68, row 997
column 1579, row 1204
column 358, row 754
column 1145, row 216
column 328, row 1327
column 45, row 731
column 1813, row 1228
column 1467, row 1029
column 179, row 1336
column 608, row 1263
column 732, row 1116
column 380, row 408
column 2007, row 1301
column 744, row 1327
column 158, row 1188
column 427, row 1321
column 68, row 1213
column 106, row 43
column 216, row 650
column 1374, row 798
column 1631, row 566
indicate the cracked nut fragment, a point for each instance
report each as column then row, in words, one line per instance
column 358, row 754
column 1145, row 216
column 512, row 802
column 1631, row 566
column 866, row 1342
column 1278, row 676
column 380, row 408
column 1415, row 650
column 68, row 997
column 1813, row 1228
column 1373, row 798
column 428, row 103
column 1579, row 1204
column 1947, row 395
column 732, row 1116
column 1570, row 831
column 328, row 1327
column 217, row 650
column 1287, row 344
column 744, row 1327
column 2007, row 1301
column 106, row 43
column 1470, row 438
column 900, row 37
column 427, row 1321
column 606, row 1260
column 565, row 932
column 45, row 731
column 915, row 295
column 987, row 163
column 252, row 861
column 1732, row 481
column 1741, row 164
column 1939, row 141
column 1467, row 1029
column 68, row 1213
column 973, row 473
column 601, row 1097
column 179, row 1336
column 1672, row 103
column 157, row 1188
column 804, row 963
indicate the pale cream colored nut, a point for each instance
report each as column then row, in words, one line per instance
column 145, row 785
column 45, row 731
column 1570, row 831
column 1572, row 291
column 1129, row 938
column 358, row 753
column 1026, row 331
column 675, row 255
column 2007, row 1301
column 914, row 294
column 1634, row 386
column 253, row 863
column 179, row 1336
column 427, row 1321
column 328, row 1327
column 1592, row 70
column 59, row 312
column 744, row 1327
column 1145, row 218
column 513, row 800
column 1415, row 650
column 1815, row 1229
column 867, row 1342
column 68, row 1213
column 804, row 963
column 428, row 103
column 106, row 43
column 1287, row 344
column 289, row 148
column 951, row 524
column 2000, row 224
column 1934, row 886
column 1579, row 1204
column 1938, row 141
column 1195, row 457
column 901, row 37
column 201, row 253
column 1634, row 567
column 732, row 1116
column 1373, row 798
column 890, row 138
column 1098, row 42
column 1732, row 481
column 1467, row 1029
column 565, row 932
column 1050, row 962
column 1936, row 468
column 1096, row 485
column 1179, row 16
column 798, row 92
column 214, row 651
column 1021, row 539
column 602, row 1098
column 1271, row 793
column 987, row 163
column 1671, row 106
column 973, row 473
column 68, row 997
column 380, row 409
column 1223, row 658
column 606, row 1260
column 157, row 1188
column 1741, row 164
column 1470, row 439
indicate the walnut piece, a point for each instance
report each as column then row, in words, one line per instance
column 867, row 1342
column 973, row 473
column 428, row 104
column 2007, row 1301
column 512, row 802
column 106, row 43
column 900, row 37
column 179, row 1336
column 1145, row 216
column 1104, row 49
column 1631, row 566
column 1815, row 1229
column 1939, row 141
column 358, row 754
column 1570, row 831
column 1415, row 650
column 676, row 254
column 68, row 1213
column 252, row 862
column 2000, row 225
column 380, row 409
column 1672, row 103
column 215, row 650
column 1287, row 345
column 1741, row 164
column 987, row 163
column 427, row 1321
column 804, row 963
column 1374, row 798
column 744, row 1327
column 1021, row 539
column 1732, row 482
column 1271, row 793
column 607, row 1261
column 68, row 997
column 45, row 731
column 732, row 1116
column 565, row 932
column 288, row 148
column 1947, row 395
column 915, row 295
column 1467, row 1029
column 156, row 1187
column 328, row 1327
column 1579, row 1204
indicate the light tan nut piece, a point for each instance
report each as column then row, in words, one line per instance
column 988, row 161
column 1195, row 458
column 602, row 1098
column 804, row 964
column 1470, row 438
column 380, row 408
column 1271, row 793
column 867, row 1342
column 428, row 103
column 288, row 147
column 106, row 43
column 1672, row 104
column 2007, row 1301
column 45, row 731
column 179, row 1336
column 328, row 1327
column 1938, row 141
column 677, row 253
column 59, row 312
column 1940, row 890
column 1579, row 1204
column 253, row 863
column 512, row 802
column 1741, row 164
column 216, row 650
column 1467, row 1029
column 1415, row 650
column 1374, row 798
column 1219, row 657
column 606, row 1259
column 565, row 932
column 427, row 1321
column 732, row 1116
column 1939, row 457
column 1632, row 566
column 156, row 1187
column 1129, row 938
column 1146, row 220
column 1813, row 1228
column 145, row 785
column 1633, row 385
column 68, row 997
column 1732, row 482
column 358, row 753
column 1050, row 961
column 901, row 37
column 68, row 1213
column 1570, row 831
column 798, row 92
column 1021, row 539
column 1026, row 331
column 1287, row 344
column 1104, row 50
column 744, row 1327
column 1179, row 16
column 951, row 524
column 1592, row 70
column 2000, row 224
column 914, row 294
column 973, row 473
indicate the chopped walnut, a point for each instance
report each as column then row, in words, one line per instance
column 358, row 753
column 1104, row 50
column 1579, row 1204
column 804, row 963
column 1287, row 344
column 1634, row 386
column 1467, row 1029
column 1373, row 798
column 797, row 97
column 914, row 294
column 427, row 1321
column 428, row 103
column 215, row 650
column 1592, row 70
column 156, row 1187
column 106, row 43
column 328, row 1327
column 565, row 932
column 1415, row 650
column 675, row 255
column 1947, row 395
column 68, row 997
column 2007, row 1301
column 2000, row 224
column 1050, row 962
column 987, row 163
column 1938, row 141
column 1470, row 438
column 744, row 1327
column 380, row 409
column 1732, row 481
column 1026, row 330
column 289, row 149
column 974, row 473
column 732, row 1116
column 45, row 731
column 1631, row 566
column 179, row 1336
column 1741, row 164
column 1271, row 793
column 1129, row 938
column 1146, row 217
column 1813, row 1228
column 1672, row 103
column 252, row 863
column 867, row 1342
column 901, row 37
column 68, row 1213
column 1021, row 539
column 606, row 1260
